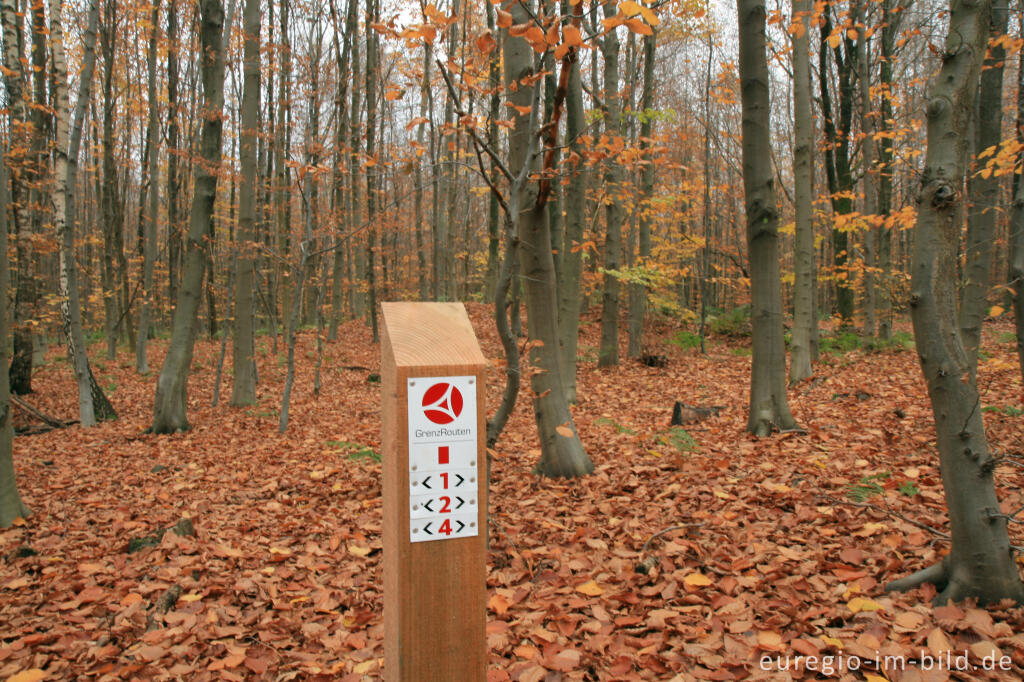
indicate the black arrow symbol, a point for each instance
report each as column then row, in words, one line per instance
column 461, row 526
column 425, row 485
column 461, row 502
column 427, row 505
column 457, row 483
column 426, row 528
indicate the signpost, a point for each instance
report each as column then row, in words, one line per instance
column 434, row 499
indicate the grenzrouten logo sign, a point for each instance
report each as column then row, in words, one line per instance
column 443, row 462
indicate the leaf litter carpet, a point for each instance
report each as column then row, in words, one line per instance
column 768, row 549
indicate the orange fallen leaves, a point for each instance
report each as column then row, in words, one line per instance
column 283, row 576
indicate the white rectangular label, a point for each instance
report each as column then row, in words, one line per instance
column 443, row 458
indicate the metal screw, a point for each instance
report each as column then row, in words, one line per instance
column 415, row 507
column 472, row 524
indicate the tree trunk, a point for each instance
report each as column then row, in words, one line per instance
column 493, row 218
column 174, row 231
column 282, row 197
column 92, row 403
column 372, row 174
column 153, row 172
column 608, row 354
column 804, row 318
column 169, row 414
column 17, row 160
column 980, row 562
column 109, row 201
column 983, row 192
column 838, row 169
column 575, row 219
column 243, row 388
column 638, row 290
column 562, row 453
column 768, row 406
column 421, row 248
column 705, row 251
column 870, row 174
column 340, row 195
column 11, row 506
column 892, row 15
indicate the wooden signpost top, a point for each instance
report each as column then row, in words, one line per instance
column 436, row 335
column 432, row 374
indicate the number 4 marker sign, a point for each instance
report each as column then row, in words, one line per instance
column 443, row 480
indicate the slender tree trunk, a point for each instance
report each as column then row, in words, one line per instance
column 282, row 196
column 608, row 354
column 373, row 174
column 838, row 126
column 174, row 231
column 111, row 224
column 357, row 255
column 493, row 218
column 980, row 562
column 341, row 103
column 891, row 19
column 562, row 453
column 768, row 406
column 243, row 389
column 705, row 251
column 870, row 178
column 983, row 192
column 169, row 414
column 92, row 402
column 153, row 172
column 422, row 269
column 575, row 220
column 803, row 193
column 638, row 290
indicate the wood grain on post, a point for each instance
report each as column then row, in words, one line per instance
column 434, row 591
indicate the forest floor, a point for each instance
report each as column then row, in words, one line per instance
column 779, row 547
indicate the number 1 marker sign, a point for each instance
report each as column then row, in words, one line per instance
column 443, row 480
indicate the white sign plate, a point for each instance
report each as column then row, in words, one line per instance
column 443, row 479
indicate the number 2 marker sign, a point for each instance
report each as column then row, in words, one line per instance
column 443, row 479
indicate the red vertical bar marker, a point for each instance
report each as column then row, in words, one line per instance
column 442, row 454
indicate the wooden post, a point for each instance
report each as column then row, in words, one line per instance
column 435, row 495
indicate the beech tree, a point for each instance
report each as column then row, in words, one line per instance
column 614, row 213
column 243, row 391
column 980, row 562
column 983, row 190
column 562, row 452
column 170, row 405
column 804, row 318
column 768, row 406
